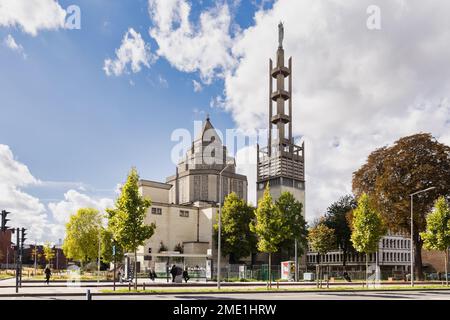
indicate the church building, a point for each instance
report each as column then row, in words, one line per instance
column 184, row 208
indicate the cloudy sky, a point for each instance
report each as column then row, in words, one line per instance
column 79, row 107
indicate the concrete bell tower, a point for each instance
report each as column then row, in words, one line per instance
column 282, row 162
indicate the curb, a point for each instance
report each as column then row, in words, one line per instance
column 203, row 293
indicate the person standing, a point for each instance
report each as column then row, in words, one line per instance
column 186, row 275
column 173, row 272
column 152, row 275
column 48, row 274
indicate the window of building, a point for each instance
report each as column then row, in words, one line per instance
column 184, row 213
column 157, row 211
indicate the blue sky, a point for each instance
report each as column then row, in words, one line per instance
column 69, row 122
column 78, row 108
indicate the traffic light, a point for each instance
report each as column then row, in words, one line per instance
column 22, row 240
column 4, row 220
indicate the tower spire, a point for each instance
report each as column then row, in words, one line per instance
column 280, row 34
column 282, row 163
column 280, row 117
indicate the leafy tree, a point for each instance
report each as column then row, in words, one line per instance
column 83, row 233
column 322, row 240
column 336, row 218
column 126, row 220
column 49, row 253
column 437, row 234
column 293, row 222
column 268, row 227
column 367, row 228
column 107, row 247
column 238, row 241
column 392, row 173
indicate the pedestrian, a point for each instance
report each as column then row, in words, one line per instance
column 48, row 274
column 152, row 275
column 119, row 274
column 173, row 272
column 186, row 275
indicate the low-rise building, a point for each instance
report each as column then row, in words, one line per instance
column 393, row 257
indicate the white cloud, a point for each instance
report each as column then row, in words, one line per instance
column 133, row 51
column 197, row 86
column 163, row 81
column 32, row 15
column 11, row 43
column 75, row 200
column 203, row 47
column 354, row 89
column 26, row 211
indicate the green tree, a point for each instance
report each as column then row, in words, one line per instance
column 322, row 240
column 268, row 227
column 293, row 223
column 392, row 173
column 238, row 241
column 107, row 247
column 126, row 220
column 49, row 253
column 367, row 228
column 83, row 233
column 336, row 218
column 437, row 234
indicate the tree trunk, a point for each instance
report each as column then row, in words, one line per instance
column 135, row 269
column 318, row 271
column 418, row 270
column 446, row 267
column 253, row 258
column 270, row 270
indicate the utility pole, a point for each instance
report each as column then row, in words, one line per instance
column 114, row 255
column 17, row 254
column 35, row 257
column 296, row 262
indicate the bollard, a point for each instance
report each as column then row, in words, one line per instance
column 129, row 286
column 88, row 295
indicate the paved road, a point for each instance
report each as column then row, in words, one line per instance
column 391, row 295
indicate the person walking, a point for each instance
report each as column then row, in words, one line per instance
column 48, row 274
column 119, row 274
column 152, row 275
column 173, row 272
column 186, row 275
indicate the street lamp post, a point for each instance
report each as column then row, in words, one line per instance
column 99, row 254
column 219, row 237
column 412, row 232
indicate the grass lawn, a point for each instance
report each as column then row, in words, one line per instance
column 64, row 277
column 6, row 276
column 263, row 289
